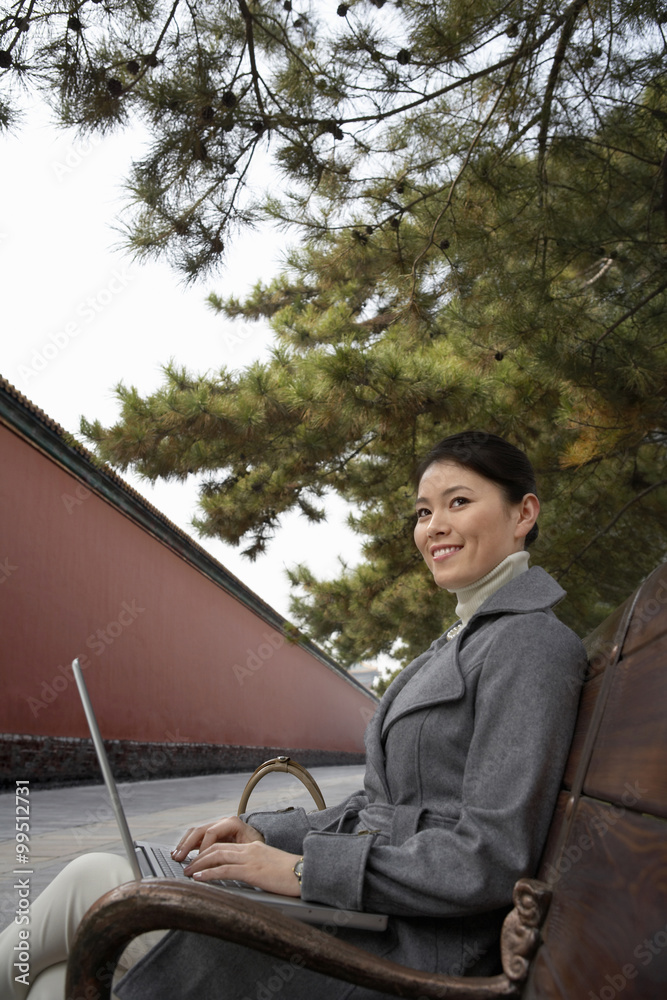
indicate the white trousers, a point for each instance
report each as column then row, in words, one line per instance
column 54, row 918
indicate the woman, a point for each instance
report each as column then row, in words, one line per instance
column 464, row 759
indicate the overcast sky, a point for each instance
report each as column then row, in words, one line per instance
column 78, row 316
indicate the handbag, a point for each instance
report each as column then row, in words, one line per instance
column 282, row 764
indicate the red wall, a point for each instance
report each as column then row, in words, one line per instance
column 170, row 655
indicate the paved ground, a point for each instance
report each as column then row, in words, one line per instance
column 65, row 822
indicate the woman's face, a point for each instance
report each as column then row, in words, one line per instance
column 465, row 525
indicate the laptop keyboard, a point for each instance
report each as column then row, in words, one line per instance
column 174, row 869
column 170, row 868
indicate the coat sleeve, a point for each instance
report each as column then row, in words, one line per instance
column 288, row 828
column 524, row 712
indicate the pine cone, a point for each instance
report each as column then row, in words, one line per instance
column 132, row 67
column 115, row 87
column 74, row 24
column 335, row 129
column 5, row 59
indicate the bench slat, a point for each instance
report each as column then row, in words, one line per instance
column 543, row 981
column 631, row 749
column 554, row 835
column 649, row 620
column 601, row 642
column 607, row 926
column 589, row 695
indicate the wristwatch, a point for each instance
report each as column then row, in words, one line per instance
column 298, row 869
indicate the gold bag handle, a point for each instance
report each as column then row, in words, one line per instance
column 282, row 764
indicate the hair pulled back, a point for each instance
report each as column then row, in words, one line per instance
column 492, row 457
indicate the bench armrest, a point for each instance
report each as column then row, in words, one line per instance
column 138, row 907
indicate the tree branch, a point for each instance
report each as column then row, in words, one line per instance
column 627, row 315
column 247, row 17
column 603, row 531
column 559, row 55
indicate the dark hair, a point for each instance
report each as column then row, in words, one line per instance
column 489, row 456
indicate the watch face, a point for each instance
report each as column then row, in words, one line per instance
column 298, row 869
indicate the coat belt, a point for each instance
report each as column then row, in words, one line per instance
column 396, row 822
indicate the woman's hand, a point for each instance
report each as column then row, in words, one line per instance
column 253, row 862
column 230, row 830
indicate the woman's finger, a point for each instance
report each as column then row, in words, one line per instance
column 188, row 842
column 231, row 829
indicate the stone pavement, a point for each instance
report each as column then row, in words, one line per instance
column 66, row 822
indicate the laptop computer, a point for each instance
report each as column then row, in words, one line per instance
column 150, row 860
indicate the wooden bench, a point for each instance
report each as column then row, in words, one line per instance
column 591, row 926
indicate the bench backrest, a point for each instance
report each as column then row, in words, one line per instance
column 606, row 857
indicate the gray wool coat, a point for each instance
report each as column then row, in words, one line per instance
column 464, row 760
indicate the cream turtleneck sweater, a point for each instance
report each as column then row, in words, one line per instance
column 471, row 598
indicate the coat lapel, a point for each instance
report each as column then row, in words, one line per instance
column 452, row 686
column 434, row 682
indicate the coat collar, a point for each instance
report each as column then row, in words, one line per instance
column 534, row 590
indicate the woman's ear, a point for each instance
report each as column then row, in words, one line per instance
column 528, row 511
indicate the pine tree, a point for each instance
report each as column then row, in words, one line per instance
column 524, row 325
column 480, row 196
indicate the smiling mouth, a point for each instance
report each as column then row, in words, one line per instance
column 444, row 552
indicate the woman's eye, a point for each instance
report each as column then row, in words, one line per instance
column 459, row 501
column 423, row 512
